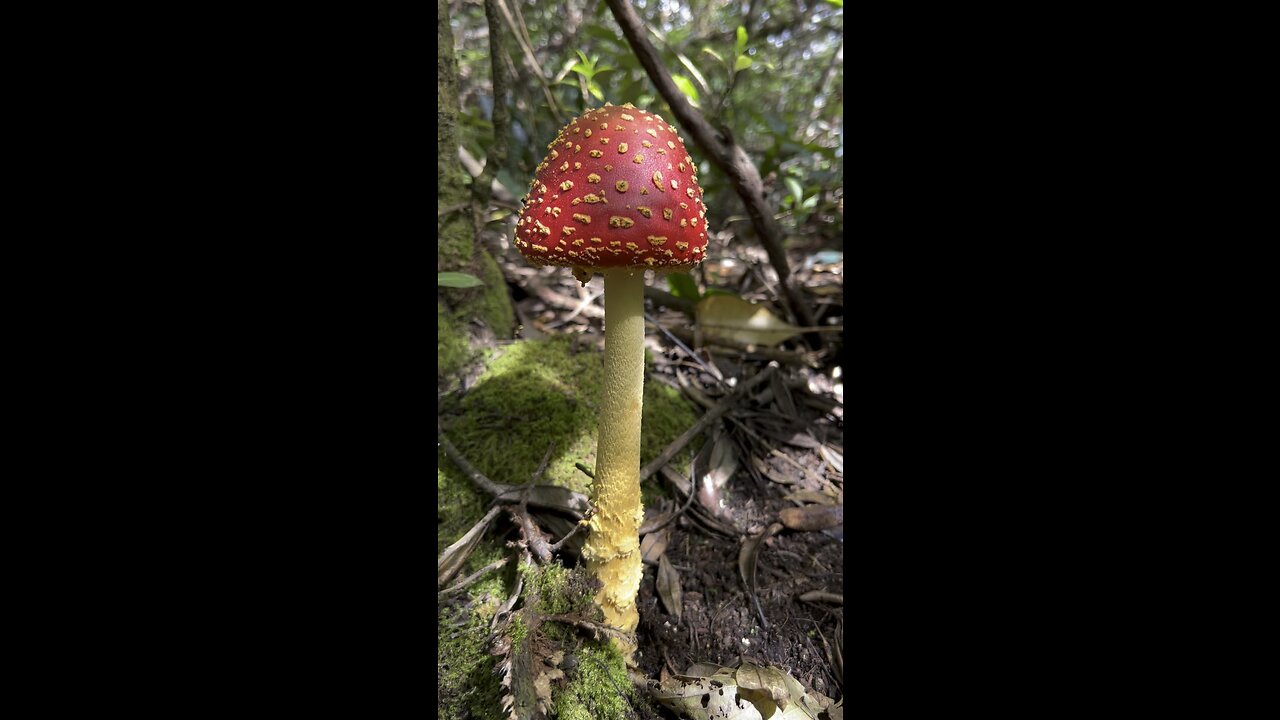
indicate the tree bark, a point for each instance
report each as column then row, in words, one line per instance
column 456, row 246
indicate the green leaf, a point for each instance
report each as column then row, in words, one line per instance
column 837, row 3
column 583, row 55
column 797, row 192
column 712, row 53
column 693, row 70
column 686, row 87
column 594, row 88
column 742, row 39
column 742, row 63
column 604, row 34
column 581, row 69
column 683, row 286
column 457, row 280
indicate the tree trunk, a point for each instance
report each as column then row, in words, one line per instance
column 458, row 309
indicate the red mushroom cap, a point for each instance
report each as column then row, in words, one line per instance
column 617, row 189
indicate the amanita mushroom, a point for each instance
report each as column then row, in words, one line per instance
column 616, row 194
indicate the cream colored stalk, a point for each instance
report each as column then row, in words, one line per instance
column 612, row 550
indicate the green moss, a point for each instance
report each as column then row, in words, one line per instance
column 460, row 504
column 494, row 305
column 560, row 590
column 534, row 393
column 467, row 685
column 598, row 687
column 452, row 349
column 519, row 631
column 539, row 392
column 489, row 303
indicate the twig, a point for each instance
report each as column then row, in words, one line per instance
column 585, row 470
column 451, row 209
column 821, row 91
column 577, row 526
column 711, row 416
column 702, row 517
column 471, row 472
column 551, row 497
column 677, row 513
column 534, row 538
column 823, row 596
column 467, row 581
column 662, row 297
column 679, row 343
column 529, row 59
column 595, row 628
column 542, row 466
column 586, row 301
column 724, row 152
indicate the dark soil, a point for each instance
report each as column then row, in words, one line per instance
column 720, row 623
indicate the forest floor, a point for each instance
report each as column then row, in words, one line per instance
column 755, row 559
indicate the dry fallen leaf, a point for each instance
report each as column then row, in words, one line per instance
column 705, row 698
column 668, row 584
column 732, row 320
column 811, row 496
column 748, row 555
column 813, row 517
column 707, row 691
column 782, row 396
column 653, row 545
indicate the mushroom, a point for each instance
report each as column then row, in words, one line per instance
column 617, row 194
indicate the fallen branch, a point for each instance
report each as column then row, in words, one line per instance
column 470, row 579
column 550, row 497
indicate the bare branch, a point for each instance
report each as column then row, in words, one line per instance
column 531, row 61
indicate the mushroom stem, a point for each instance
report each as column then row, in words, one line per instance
column 612, row 550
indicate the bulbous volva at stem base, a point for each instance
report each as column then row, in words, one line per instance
column 612, row 550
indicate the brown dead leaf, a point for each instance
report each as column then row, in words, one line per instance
column 773, row 475
column 768, row 683
column 654, row 545
column 748, row 555
column 707, row 691
column 723, row 459
column 668, row 585
column 813, row 517
column 811, row 496
column 783, row 397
